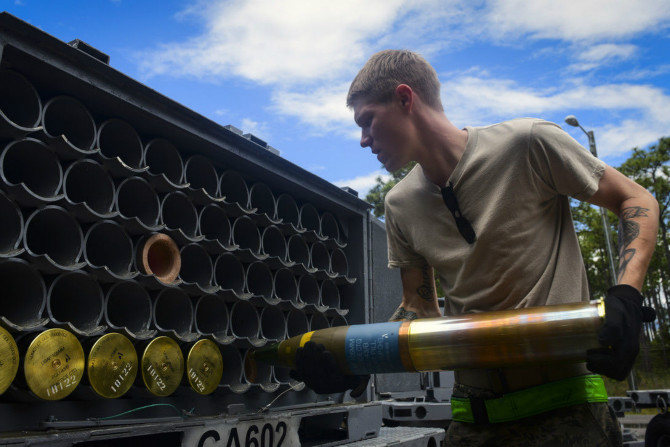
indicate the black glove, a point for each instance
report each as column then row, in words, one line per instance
column 620, row 334
column 316, row 366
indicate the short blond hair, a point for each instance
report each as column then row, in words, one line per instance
column 385, row 70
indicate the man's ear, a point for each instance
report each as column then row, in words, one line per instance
column 405, row 95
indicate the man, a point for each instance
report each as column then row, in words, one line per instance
column 487, row 209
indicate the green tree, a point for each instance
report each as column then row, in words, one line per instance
column 377, row 194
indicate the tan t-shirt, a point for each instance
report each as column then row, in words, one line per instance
column 512, row 184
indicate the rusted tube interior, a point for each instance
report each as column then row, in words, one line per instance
column 158, row 255
column 66, row 116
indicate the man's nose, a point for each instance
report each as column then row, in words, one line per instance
column 365, row 140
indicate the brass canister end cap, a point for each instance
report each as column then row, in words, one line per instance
column 54, row 364
column 162, row 366
column 112, row 365
column 204, row 367
column 9, row 359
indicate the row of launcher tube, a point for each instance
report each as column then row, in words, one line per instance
column 108, row 238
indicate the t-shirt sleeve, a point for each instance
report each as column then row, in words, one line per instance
column 400, row 252
column 562, row 165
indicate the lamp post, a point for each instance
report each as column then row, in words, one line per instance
column 572, row 120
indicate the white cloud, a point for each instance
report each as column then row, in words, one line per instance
column 471, row 100
column 575, row 20
column 260, row 130
column 291, row 41
column 598, row 55
column 362, row 184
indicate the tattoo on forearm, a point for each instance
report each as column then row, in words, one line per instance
column 425, row 290
column 629, row 230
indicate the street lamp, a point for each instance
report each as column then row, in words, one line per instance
column 572, row 120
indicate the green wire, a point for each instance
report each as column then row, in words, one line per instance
column 141, row 408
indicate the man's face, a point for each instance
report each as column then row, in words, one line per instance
column 384, row 129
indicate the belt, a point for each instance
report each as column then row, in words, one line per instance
column 515, row 378
column 530, row 401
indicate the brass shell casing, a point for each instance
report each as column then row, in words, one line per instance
column 505, row 338
column 162, row 366
column 9, row 359
column 204, row 367
column 54, row 364
column 112, row 365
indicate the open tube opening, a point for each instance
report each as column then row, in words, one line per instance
column 261, row 198
column 273, row 323
column 136, row 198
column 107, row 244
column 308, row 290
column 66, row 116
column 173, row 311
column 259, row 280
column 246, row 234
column 76, row 297
column 11, row 225
column 296, row 323
column 54, row 232
column 229, row 273
column 87, row 182
column 19, row 101
column 244, row 322
column 178, row 212
column 214, row 224
column 196, row 265
column 287, row 210
column 162, row 157
column 211, row 316
column 285, row 285
column 127, row 304
column 24, row 290
column 116, row 138
column 201, row 174
column 32, row 163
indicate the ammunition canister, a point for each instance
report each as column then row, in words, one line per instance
column 162, row 366
column 480, row 340
column 53, row 364
column 9, row 360
column 204, row 367
column 112, row 365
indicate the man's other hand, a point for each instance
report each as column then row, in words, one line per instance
column 316, row 366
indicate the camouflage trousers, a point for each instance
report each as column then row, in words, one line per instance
column 583, row 425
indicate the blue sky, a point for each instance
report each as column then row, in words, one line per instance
column 280, row 69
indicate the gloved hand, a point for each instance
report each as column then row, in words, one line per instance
column 620, row 334
column 316, row 366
